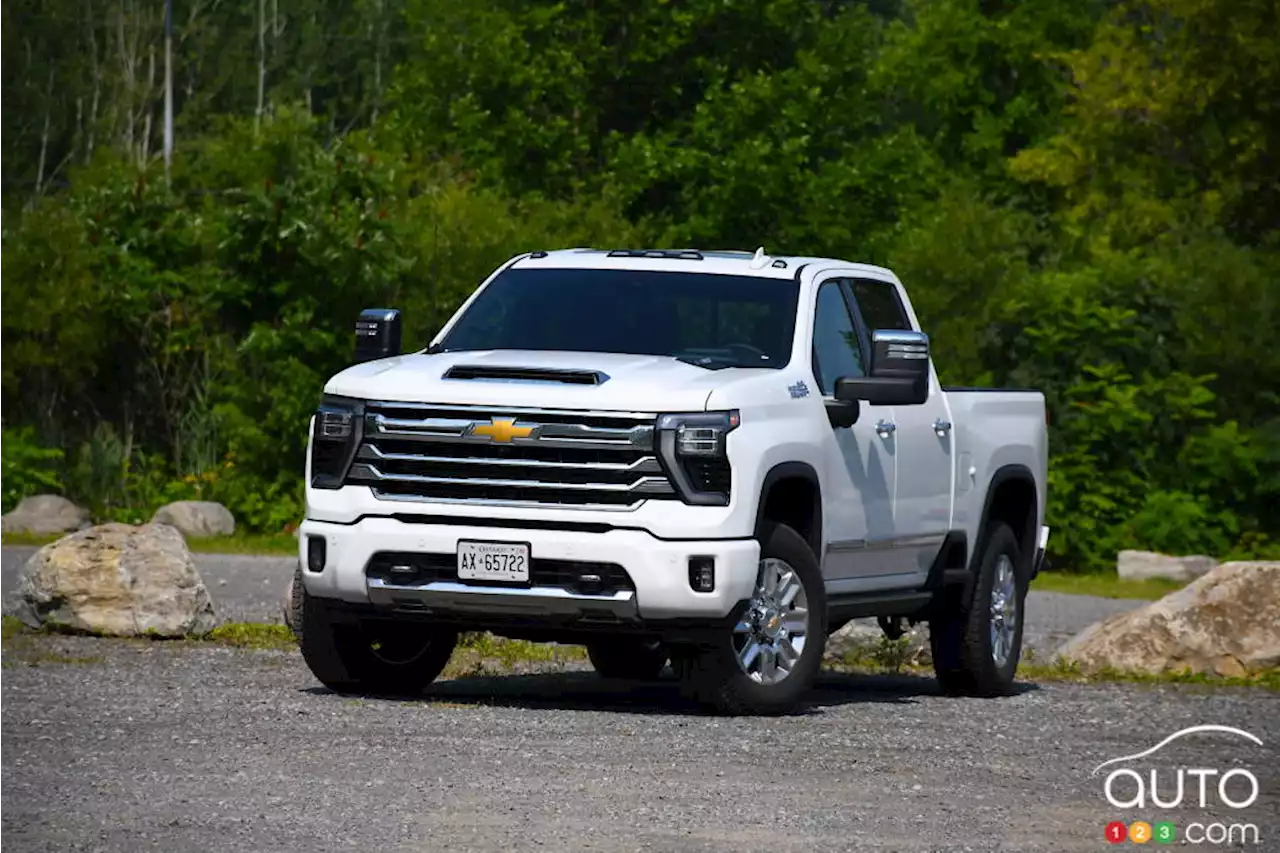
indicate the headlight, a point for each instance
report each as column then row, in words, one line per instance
column 693, row 450
column 335, row 435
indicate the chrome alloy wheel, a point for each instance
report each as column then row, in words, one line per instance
column 770, row 637
column 1004, row 610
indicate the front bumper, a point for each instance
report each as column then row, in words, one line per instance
column 658, row 570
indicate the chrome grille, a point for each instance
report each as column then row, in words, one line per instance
column 510, row 456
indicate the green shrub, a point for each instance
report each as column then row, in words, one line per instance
column 26, row 467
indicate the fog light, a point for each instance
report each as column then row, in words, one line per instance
column 315, row 553
column 702, row 574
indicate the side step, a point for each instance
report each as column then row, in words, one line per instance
column 877, row 604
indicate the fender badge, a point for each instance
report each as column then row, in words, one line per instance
column 798, row 390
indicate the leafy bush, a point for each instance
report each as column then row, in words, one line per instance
column 26, row 468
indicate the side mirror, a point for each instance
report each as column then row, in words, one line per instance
column 377, row 334
column 899, row 371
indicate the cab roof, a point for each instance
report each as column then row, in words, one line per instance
column 715, row 261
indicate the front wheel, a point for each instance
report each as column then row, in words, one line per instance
column 976, row 644
column 770, row 657
column 380, row 656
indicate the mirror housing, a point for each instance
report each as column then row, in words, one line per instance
column 899, row 371
column 377, row 334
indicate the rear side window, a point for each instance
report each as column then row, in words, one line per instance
column 878, row 301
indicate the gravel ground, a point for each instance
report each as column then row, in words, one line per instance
column 129, row 745
column 132, row 745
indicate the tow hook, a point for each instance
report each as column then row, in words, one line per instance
column 892, row 626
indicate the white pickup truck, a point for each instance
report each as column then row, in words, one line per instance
column 711, row 459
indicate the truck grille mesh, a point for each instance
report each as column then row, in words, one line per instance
column 509, row 456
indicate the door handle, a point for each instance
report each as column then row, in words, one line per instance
column 941, row 427
column 884, row 429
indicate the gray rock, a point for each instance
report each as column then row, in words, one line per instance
column 197, row 518
column 862, row 639
column 1227, row 623
column 1144, row 565
column 116, row 580
column 45, row 514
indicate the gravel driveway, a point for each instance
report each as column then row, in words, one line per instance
column 120, row 745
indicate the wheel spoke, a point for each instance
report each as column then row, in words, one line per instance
column 749, row 655
column 768, row 666
column 743, row 627
column 787, row 653
column 770, row 580
column 790, row 589
column 796, row 621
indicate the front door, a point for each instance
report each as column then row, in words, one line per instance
column 925, row 439
column 858, row 504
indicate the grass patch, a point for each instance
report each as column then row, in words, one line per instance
column 253, row 635
column 1030, row 669
column 10, row 627
column 30, row 539
column 1104, row 586
column 890, row 657
column 481, row 653
column 272, row 544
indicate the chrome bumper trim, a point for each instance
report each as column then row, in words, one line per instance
column 449, row 597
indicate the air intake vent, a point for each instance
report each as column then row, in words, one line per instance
column 527, row 374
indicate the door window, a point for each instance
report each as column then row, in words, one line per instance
column 879, row 304
column 836, row 351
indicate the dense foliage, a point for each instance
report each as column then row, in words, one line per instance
column 1083, row 197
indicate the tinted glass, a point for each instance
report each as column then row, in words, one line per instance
column 835, row 344
column 711, row 320
column 879, row 304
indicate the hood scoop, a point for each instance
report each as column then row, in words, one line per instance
column 526, row 374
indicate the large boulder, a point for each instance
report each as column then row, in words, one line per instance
column 1145, row 565
column 197, row 518
column 116, row 580
column 45, row 514
column 1226, row 623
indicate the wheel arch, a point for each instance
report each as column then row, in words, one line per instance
column 1012, row 498
column 792, row 494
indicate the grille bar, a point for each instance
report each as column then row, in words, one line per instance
column 643, row 465
column 644, row 485
column 540, row 434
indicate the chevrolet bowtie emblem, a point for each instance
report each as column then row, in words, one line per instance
column 502, row 430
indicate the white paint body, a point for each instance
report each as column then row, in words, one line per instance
column 886, row 501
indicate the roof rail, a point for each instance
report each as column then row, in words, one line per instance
column 673, row 254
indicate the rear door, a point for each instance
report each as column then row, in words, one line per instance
column 924, row 441
column 858, row 492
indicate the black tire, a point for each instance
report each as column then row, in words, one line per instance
column 628, row 658
column 960, row 635
column 713, row 676
column 374, row 657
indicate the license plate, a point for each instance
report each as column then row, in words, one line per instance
column 493, row 561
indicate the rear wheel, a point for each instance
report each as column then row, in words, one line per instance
column 376, row 656
column 770, row 657
column 633, row 659
column 976, row 644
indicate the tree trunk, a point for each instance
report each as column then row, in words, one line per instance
column 44, row 134
column 262, row 63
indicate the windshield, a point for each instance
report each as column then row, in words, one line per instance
column 713, row 321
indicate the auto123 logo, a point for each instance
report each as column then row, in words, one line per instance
column 1136, row 783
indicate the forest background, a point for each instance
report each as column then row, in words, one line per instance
column 1082, row 196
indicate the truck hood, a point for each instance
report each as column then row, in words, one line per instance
column 550, row 380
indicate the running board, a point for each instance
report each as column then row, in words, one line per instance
column 877, row 604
